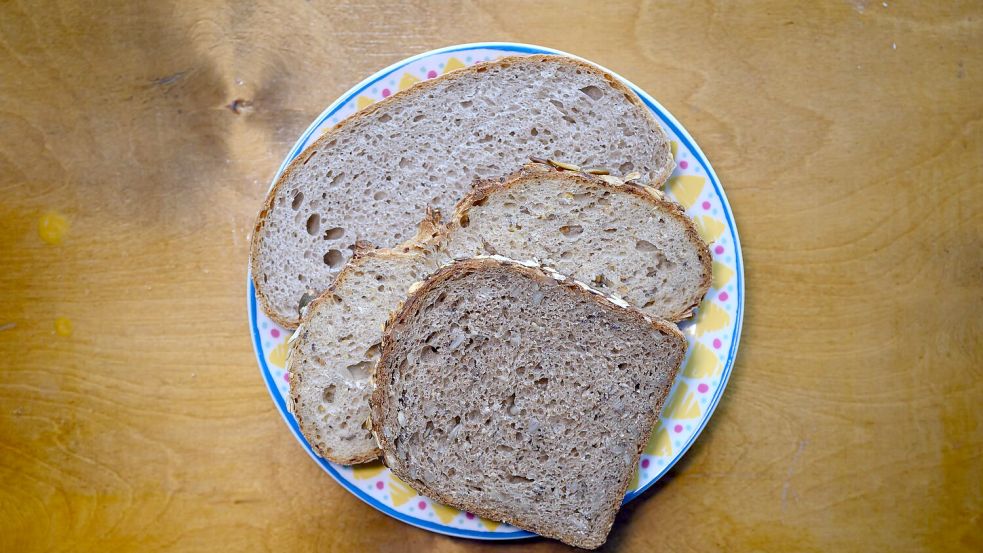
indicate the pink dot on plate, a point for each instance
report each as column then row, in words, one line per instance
column 379, row 485
column 723, row 296
column 683, row 165
column 716, row 343
column 645, row 463
column 275, row 333
column 719, row 250
column 431, row 74
column 286, row 376
column 678, row 428
column 702, row 388
column 422, row 505
column 386, row 92
column 469, row 516
column 706, row 205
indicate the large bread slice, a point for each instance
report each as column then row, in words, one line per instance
column 334, row 350
column 521, row 396
column 371, row 177
column 624, row 239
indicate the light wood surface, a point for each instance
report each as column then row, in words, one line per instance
column 848, row 136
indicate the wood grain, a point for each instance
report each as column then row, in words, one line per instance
column 848, row 135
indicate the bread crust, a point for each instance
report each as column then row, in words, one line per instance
column 383, row 377
column 485, row 188
column 667, row 164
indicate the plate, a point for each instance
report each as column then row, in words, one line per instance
column 713, row 333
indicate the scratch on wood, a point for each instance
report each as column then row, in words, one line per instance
column 170, row 79
column 7, row 326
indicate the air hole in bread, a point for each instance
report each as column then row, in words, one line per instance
column 419, row 117
column 646, row 246
column 328, row 393
column 427, row 353
column 384, row 118
column 334, row 233
column 334, row 258
column 592, row 92
column 570, row 231
column 313, row 224
column 626, row 167
column 297, row 200
column 380, row 195
column 360, row 371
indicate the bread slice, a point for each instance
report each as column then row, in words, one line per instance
column 371, row 176
column 522, row 396
column 625, row 239
column 334, row 350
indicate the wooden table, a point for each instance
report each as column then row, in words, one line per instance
column 848, row 135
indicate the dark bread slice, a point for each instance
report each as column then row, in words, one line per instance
column 520, row 395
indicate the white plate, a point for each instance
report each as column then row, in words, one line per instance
column 713, row 334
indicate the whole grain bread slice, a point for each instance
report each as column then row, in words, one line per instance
column 625, row 239
column 517, row 394
column 371, row 176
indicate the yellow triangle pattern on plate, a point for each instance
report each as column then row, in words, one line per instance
column 368, row 470
column 683, row 404
column 710, row 228
column 363, row 102
column 703, row 363
column 659, row 443
column 721, row 275
column 400, row 492
column 686, row 188
column 673, row 147
column 489, row 524
column 452, row 64
column 633, row 485
column 710, row 318
column 278, row 355
column 444, row 513
column 407, row 81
